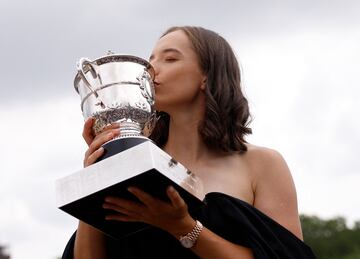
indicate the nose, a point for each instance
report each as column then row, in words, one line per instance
column 155, row 67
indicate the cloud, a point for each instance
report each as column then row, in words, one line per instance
column 303, row 90
column 40, row 144
column 300, row 62
column 45, row 39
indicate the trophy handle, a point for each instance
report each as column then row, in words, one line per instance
column 80, row 67
column 146, row 87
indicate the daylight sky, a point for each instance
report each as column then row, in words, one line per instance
column 300, row 62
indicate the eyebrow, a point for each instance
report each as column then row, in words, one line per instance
column 166, row 51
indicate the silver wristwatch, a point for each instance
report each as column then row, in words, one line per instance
column 190, row 238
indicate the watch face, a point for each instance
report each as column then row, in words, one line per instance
column 186, row 242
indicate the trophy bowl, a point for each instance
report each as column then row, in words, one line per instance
column 116, row 89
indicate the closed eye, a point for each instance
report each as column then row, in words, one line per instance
column 171, row 59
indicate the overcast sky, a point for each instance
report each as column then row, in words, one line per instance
column 300, row 63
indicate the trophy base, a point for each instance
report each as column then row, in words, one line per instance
column 145, row 166
column 116, row 146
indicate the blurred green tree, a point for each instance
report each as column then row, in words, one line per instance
column 332, row 238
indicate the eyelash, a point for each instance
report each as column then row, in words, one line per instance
column 170, row 59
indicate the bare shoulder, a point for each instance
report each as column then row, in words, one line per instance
column 267, row 165
column 274, row 189
column 263, row 157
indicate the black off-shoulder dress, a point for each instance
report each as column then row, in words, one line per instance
column 228, row 217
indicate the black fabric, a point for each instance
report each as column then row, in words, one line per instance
column 230, row 218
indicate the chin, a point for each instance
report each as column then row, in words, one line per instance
column 159, row 104
column 161, row 107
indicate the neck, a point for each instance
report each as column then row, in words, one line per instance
column 184, row 141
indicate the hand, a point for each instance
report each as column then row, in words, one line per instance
column 95, row 142
column 88, row 132
column 170, row 216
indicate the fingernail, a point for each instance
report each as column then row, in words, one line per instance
column 171, row 189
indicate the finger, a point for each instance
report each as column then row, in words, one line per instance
column 175, row 197
column 88, row 133
column 144, row 197
column 97, row 144
column 105, row 136
column 99, row 141
column 89, row 160
column 111, row 126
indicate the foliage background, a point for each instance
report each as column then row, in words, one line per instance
column 331, row 238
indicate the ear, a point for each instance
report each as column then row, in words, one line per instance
column 203, row 83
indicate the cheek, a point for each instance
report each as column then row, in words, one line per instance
column 187, row 76
column 178, row 93
column 181, row 85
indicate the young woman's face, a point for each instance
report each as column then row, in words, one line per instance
column 179, row 80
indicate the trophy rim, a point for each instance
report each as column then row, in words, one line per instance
column 117, row 58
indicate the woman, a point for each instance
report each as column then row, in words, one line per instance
column 250, row 207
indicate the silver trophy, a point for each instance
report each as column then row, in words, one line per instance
column 117, row 89
column 120, row 89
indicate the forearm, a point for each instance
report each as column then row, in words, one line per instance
column 209, row 246
column 89, row 243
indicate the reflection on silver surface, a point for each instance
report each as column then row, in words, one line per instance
column 117, row 89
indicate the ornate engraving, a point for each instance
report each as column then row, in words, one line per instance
column 117, row 113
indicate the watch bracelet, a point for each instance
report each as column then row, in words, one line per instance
column 195, row 232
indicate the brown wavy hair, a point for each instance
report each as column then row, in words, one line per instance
column 227, row 115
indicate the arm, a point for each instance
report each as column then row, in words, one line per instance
column 211, row 246
column 274, row 189
column 174, row 218
column 89, row 242
column 275, row 195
